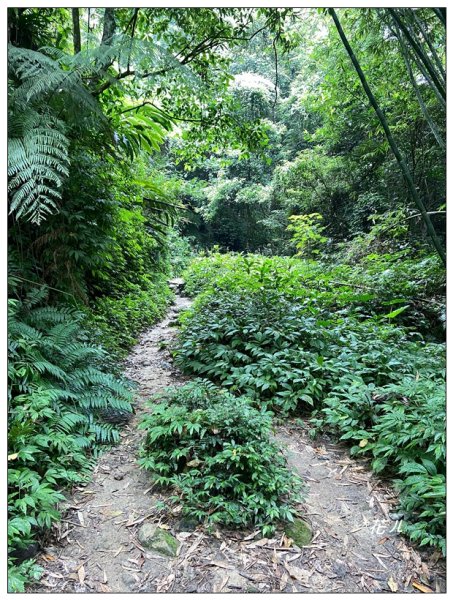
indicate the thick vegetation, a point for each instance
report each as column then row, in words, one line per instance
column 59, row 392
column 272, row 330
column 215, row 450
column 314, row 140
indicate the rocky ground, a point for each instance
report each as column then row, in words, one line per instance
column 117, row 536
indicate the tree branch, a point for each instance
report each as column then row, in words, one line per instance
column 199, row 48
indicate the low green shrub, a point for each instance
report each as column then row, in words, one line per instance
column 375, row 287
column 57, row 392
column 402, row 427
column 215, row 451
column 289, row 354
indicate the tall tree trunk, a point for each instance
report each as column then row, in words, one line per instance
column 401, row 162
column 441, row 14
column 436, row 57
column 109, row 25
column 76, row 30
column 426, row 75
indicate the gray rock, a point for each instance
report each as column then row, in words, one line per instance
column 157, row 539
column 340, row 568
column 236, row 581
column 396, row 516
column 177, row 283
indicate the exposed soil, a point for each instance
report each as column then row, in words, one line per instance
column 355, row 548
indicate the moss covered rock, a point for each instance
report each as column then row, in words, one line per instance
column 300, row 532
column 158, row 540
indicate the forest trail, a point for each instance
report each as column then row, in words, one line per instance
column 355, row 545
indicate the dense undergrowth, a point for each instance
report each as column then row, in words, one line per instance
column 293, row 339
column 215, row 451
column 59, row 392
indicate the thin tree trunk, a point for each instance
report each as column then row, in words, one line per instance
column 425, row 74
column 76, row 30
column 420, row 53
column 421, row 102
column 436, row 57
column 441, row 14
column 401, row 162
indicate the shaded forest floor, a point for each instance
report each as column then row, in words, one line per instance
column 355, row 547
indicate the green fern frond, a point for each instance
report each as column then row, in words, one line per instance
column 38, row 159
column 37, row 164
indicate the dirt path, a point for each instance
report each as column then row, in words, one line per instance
column 355, row 548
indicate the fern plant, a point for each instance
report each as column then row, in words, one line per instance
column 49, row 104
column 39, row 88
column 57, row 398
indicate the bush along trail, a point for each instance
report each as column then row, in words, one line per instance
column 232, row 498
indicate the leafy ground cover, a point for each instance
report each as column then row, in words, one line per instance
column 59, row 392
column 262, row 328
column 216, row 452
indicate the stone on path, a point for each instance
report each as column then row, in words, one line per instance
column 154, row 538
column 300, row 532
column 176, row 284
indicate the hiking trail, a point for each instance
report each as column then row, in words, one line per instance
column 355, row 547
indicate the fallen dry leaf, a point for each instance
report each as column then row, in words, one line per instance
column 392, row 584
column 295, row 557
column 217, row 588
column 302, row 575
column 56, row 575
column 377, row 557
column 283, row 581
column 81, row 574
column 262, row 542
column 251, row 536
column 165, row 583
column 287, row 541
column 48, row 557
column 220, row 563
